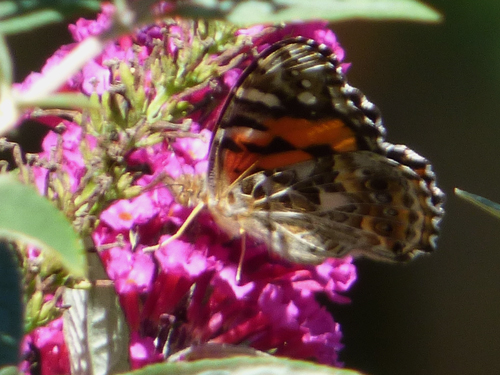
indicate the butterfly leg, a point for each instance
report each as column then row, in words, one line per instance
column 242, row 255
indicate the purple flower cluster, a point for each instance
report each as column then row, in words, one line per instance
column 186, row 291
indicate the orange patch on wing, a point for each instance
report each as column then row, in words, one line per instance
column 235, row 163
column 303, row 133
column 283, row 159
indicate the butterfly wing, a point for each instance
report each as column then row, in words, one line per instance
column 299, row 161
column 360, row 203
column 290, row 105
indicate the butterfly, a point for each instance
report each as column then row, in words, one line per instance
column 298, row 161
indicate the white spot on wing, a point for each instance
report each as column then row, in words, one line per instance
column 307, row 98
column 254, row 95
column 306, row 83
column 330, row 201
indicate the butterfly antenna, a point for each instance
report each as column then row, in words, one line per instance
column 240, row 177
column 200, row 206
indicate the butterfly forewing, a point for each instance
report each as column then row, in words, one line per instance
column 292, row 104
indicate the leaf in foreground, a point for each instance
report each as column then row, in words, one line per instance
column 28, row 217
column 20, row 16
column 478, row 201
column 248, row 12
column 242, row 366
column 9, row 370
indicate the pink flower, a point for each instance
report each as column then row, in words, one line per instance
column 84, row 28
column 187, row 290
column 274, row 306
column 52, row 352
column 73, row 164
column 193, row 150
column 317, row 30
column 130, row 271
column 123, row 215
column 142, row 351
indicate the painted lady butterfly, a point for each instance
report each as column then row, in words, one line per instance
column 299, row 162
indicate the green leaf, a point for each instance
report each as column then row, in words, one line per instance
column 11, row 308
column 10, row 370
column 26, row 216
column 242, row 366
column 59, row 101
column 18, row 16
column 248, row 12
column 9, row 113
column 483, row 203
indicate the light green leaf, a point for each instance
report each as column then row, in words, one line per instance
column 483, row 203
column 28, row 217
column 9, row 113
column 19, row 16
column 242, row 366
column 10, row 370
column 60, row 101
column 248, row 12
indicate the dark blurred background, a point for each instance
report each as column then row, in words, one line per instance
column 438, row 89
